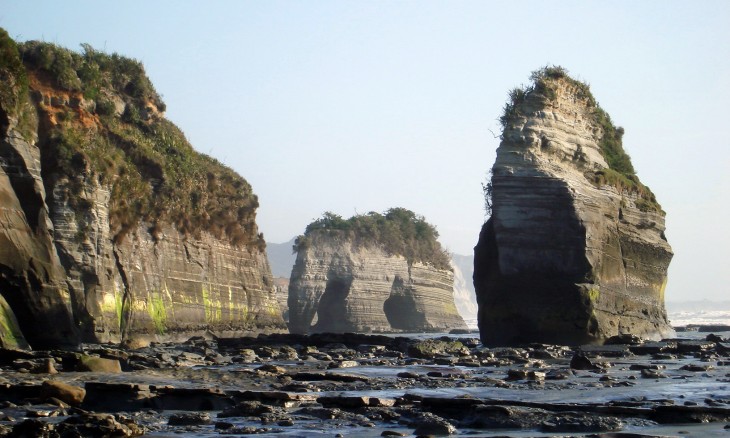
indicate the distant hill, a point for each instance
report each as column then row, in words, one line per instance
column 281, row 258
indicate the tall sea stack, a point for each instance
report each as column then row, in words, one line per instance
column 574, row 251
column 111, row 226
column 372, row 273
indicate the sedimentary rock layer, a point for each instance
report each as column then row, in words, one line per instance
column 338, row 286
column 566, row 256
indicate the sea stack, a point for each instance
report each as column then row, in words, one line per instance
column 372, row 273
column 574, row 251
column 112, row 227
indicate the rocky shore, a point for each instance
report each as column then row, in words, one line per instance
column 367, row 385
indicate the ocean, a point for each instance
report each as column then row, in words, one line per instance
column 698, row 313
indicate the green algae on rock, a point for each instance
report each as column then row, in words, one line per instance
column 574, row 251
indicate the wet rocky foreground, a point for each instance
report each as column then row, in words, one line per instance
column 368, row 385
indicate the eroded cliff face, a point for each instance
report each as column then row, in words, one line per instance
column 570, row 254
column 103, row 237
column 32, row 281
column 464, row 294
column 338, row 286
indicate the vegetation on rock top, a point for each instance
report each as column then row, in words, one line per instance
column 620, row 172
column 398, row 231
column 13, row 81
column 105, row 126
column 14, row 99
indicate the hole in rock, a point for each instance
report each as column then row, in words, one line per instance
column 331, row 313
column 401, row 308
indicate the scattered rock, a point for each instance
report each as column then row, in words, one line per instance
column 343, row 403
column 559, row 374
column 72, row 395
column 246, row 409
column 344, row 364
column 641, row 366
column 581, row 362
column 270, row 368
column 624, row 339
column 98, row 365
column 337, row 377
column 714, row 338
column 190, row 399
column 45, row 367
column 431, row 348
column 100, row 425
column 189, row 419
column 430, row 424
column 696, row 368
column 353, row 402
column 652, row 374
column 581, row 424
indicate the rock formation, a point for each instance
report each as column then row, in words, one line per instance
column 574, row 251
column 112, row 226
column 372, row 273
column 464, row 293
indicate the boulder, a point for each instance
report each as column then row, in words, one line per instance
column 72, row 395
column 98, row 365
column 429, row 424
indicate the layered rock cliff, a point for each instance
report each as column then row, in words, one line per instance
column 574, row 251
column 371, row 273
column 112, row 226
column 464, row 293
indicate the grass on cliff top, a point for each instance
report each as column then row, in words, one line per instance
column 398, row 231
column 13, row 80
column 620, row 172
column 153, row 172
column 99, row 76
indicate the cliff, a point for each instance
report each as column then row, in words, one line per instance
column 371, row 273
column 112, row 226
column 574, row 251
column 464, row 293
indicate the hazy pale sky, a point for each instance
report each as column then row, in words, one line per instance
column 357, row 106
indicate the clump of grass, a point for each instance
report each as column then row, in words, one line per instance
column 620, row 172
column 398, row 231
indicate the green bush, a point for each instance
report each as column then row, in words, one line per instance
column 104, row 107
column 398, row 231
column 512, row 108
column 13, row 80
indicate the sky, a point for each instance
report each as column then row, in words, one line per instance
column 359, row 106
